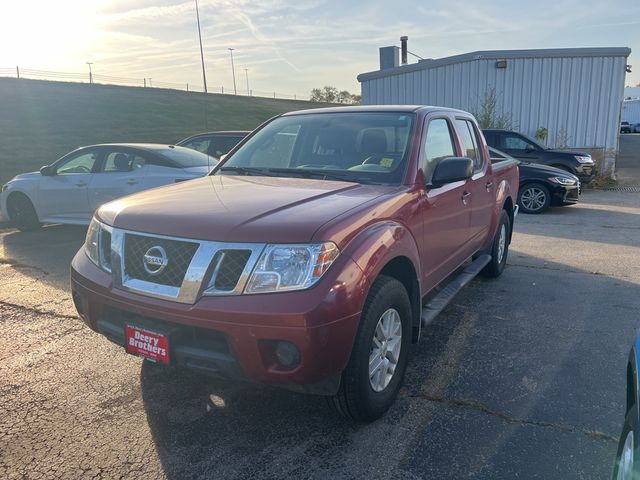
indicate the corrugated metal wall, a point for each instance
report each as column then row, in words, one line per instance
column 631, row 111
column 580, row 95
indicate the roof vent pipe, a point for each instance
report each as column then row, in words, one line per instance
column 403, row 48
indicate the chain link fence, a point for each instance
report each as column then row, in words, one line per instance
column 148, row 82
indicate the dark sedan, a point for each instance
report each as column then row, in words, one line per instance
column 542, row 186
column 214, row 144
column 527, row 149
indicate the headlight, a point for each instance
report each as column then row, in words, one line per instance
column 97, row 245
column 291, row 267
column 92, row 242
column 562, row 180
column 5, row 187
column 583, row 158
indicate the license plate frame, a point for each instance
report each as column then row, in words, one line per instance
column 148, row 344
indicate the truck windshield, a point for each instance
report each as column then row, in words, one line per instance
column 362, row 147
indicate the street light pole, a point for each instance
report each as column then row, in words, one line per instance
column 204, row 75
column 246, row 72
column 90, row 72
column 233, row 71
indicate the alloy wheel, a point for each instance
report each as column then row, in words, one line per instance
column 385, row 350
column 533, row 198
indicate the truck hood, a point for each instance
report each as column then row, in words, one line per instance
column 239, row 208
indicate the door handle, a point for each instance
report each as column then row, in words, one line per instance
column 489, row 186
column 465, row 195
column 132, row 182
column 81, row 184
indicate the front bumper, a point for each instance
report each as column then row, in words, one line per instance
column 585, row 172
column 565, row 195
column 234, row 336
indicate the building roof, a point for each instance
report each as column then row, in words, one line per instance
column 498, row 55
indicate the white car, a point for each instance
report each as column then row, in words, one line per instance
column 69, row 190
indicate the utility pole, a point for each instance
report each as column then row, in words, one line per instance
column 90, row 72
column 150, row 84
column 204, row 75
column 233, row 71
column 246, row 72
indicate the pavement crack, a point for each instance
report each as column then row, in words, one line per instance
column 36, row 311
column 482, row 408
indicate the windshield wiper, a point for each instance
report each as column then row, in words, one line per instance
column 309, row 173
column 247, row 171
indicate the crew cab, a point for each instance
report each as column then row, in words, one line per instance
column 527, row 149
column 311, row 255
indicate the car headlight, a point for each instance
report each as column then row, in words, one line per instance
column 5, row 187
column 92, row 242
column 562, row 180
column 583, row 158
column 291, row 267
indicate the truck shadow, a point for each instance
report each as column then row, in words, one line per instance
column 501, row 354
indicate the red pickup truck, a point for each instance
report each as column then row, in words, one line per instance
column 309, row 258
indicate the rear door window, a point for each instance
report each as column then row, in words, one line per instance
column 470, row 142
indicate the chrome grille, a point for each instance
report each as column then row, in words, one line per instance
column 229, row 265
column 179, row 255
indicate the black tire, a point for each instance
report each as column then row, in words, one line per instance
column 356, row 399
column 22, row 213
column 633, row 467
column 534, row 198
column 496, row 266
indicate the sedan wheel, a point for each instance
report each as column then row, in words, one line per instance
column 534, row 198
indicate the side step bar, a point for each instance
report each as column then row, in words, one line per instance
column 431, row 310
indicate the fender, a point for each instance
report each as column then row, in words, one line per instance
column 374, row 247
column 503, row 192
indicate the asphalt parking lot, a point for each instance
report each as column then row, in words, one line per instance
column 521, row 377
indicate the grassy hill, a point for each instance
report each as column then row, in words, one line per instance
column 40, row 121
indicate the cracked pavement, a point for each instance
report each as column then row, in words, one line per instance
column 520, row 377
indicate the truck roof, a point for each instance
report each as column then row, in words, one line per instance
column 375, row 108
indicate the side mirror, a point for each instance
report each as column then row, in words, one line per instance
column 452, row 169
column 47, row 171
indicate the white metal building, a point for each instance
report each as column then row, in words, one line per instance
column 631, row 111
column 575, row 93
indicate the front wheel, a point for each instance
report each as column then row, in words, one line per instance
column 373, row 376
column 627, row 466
column 534, row 198
column 22, row 213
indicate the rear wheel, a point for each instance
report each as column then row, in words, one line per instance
column 373, row 376
column 21, row 212
column 499, row 248
column 534, row 198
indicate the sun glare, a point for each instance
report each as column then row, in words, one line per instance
column 45, row 34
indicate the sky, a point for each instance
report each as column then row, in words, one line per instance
column 292, row 46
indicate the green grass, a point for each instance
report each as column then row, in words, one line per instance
column 40, row 121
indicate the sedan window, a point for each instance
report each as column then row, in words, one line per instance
column 122, row 161
column 83, row 162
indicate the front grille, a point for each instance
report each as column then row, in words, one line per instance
column 230, row 269
column 179, row 255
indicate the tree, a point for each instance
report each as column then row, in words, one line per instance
column 488, row 116
column 329, row 94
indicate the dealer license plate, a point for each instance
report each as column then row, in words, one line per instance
column 144, row 343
